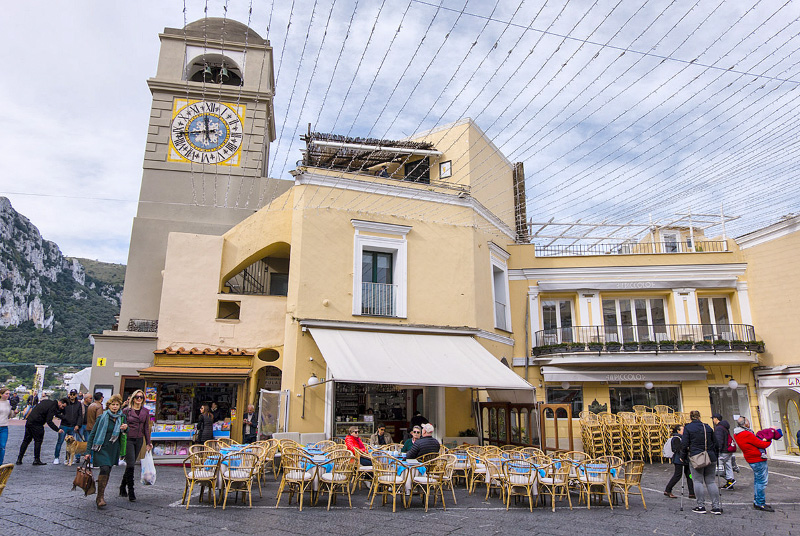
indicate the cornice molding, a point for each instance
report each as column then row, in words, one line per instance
column 769, row 233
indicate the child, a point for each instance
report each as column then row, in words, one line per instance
column 768, row 434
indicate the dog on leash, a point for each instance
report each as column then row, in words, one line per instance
column 74, row 447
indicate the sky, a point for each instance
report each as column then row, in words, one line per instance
column 620, row 110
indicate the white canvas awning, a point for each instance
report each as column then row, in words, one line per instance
column 412, row 359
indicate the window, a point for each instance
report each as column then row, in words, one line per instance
column 377, row 290
column 265, row 277
column 418, row 171
column 573, row 396
column 637, row 319
column 715, row 318
column 278, row 284
column 502, row 313
column 557, row 321
column 729, row 403
column 671, row 242
column 380, row 269
column 228, row 310
column 624, row 398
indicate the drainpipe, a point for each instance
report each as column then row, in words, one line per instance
column 527, row 314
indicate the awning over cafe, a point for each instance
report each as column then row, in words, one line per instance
column 412, row 359
column 624, row 374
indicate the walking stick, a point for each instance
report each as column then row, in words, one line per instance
column 683, row 482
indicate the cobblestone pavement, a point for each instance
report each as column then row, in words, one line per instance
column 39, row 499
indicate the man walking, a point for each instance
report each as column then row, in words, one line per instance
column 87, row 401
column 42, row 414
column 725, row 443
column 71, row 422
column 250, row 425
column 750, row 445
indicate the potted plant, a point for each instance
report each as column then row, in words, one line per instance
column 704, row 346
column 577, row 347
column 631, row 346
column 722, row 344
column 537, row 351
column 685, row 345
column 648, row 346
column 560, row 348
column 738, row 346
column 666, row 346
column 596, row 347
column 756, row 346
column 613, row 346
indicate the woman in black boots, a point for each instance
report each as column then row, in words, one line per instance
column 104, row 444
column 680, row 462
column 138, row 418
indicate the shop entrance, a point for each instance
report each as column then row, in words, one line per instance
column 365, row 405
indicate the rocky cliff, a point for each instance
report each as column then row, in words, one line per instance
column 49, row 303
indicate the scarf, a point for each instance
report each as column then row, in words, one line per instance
column 101, row 426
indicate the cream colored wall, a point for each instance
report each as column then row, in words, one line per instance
column 190, row 297
column 774, row 289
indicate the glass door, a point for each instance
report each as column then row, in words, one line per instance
column 730, row 403
column 715, row 317
column 557, row 321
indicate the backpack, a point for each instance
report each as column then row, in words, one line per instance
column 666, row 450
column 731, row 445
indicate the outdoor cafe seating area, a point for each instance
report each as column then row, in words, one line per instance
column 319, row 473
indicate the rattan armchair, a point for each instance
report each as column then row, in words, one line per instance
column 5, row 472
column 340, row 477
column 520, row 479
column 299, row 471
column 594, row 477
column 239, row 472
column 385, row 480
column 631, row 477
column 432, row 481
column 203, row 469
column 555, row 482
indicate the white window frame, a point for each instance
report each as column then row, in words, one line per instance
column 498, row 259
column 558, row 338
column 633, row 299
column 677, row 239
column 712, row 316
column 396, row 244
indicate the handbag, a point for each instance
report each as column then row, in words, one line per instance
column 84, row 479
column 701, row 459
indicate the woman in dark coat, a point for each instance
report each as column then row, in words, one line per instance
column 205, row 424
column 137, row 416
column 104, row 443
column 680, row 462
column 697, row 438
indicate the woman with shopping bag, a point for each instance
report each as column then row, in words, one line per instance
column 698, row 439
column 138, row 418
column 104, row 443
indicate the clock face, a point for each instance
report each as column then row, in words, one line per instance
column 206, row 132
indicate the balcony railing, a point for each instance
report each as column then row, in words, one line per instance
column 631, row 248
column 143, row 325
column 648, row 338
column 378, row 299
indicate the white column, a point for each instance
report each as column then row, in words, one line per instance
column 744, row 302
column 533, row 308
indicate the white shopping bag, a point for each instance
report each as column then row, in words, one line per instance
column 148, row 470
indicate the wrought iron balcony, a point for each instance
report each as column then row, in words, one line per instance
column 631, row 248
column 658, row 338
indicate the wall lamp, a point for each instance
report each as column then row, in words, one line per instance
column 733, row 384
column 312, row 382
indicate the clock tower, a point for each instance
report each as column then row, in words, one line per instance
column 205, row 166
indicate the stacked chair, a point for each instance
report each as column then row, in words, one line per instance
column 612, row 434
column 632, row 436
column 651, row 428
column 592, row 434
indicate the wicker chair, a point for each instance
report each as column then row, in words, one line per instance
column 477, row 469
column 431, row 481
column 299, row 471
column 213, row 444
column 555, row 482
column 631, row 477
column 495, row 479
column 225, row 442
column 339, row 479
column 386, row 481
column 594, row 477
column 203, row 470
column 447, row 480
column 520, row 478
column 239, row 471
column 5, row 472
column 462, row 466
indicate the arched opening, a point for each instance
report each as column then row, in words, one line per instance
column 214, row 69
column 269, row 378
column 268, row 276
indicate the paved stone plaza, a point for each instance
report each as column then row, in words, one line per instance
column 39, row 499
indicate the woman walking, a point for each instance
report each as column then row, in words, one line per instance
column 681, row 464
column 205, row 424
column 6, row 414
column 698, row 437
column 104, row 443
column 138, row 419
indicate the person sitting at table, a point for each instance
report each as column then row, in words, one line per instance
column 425, row 444
column 416, row 433
column 380, row 437
column 356, row 446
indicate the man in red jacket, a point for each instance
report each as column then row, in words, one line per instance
column 750, row 445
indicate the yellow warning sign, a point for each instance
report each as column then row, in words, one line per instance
column 101, row 361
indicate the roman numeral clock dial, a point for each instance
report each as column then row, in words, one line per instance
column 206, row 132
